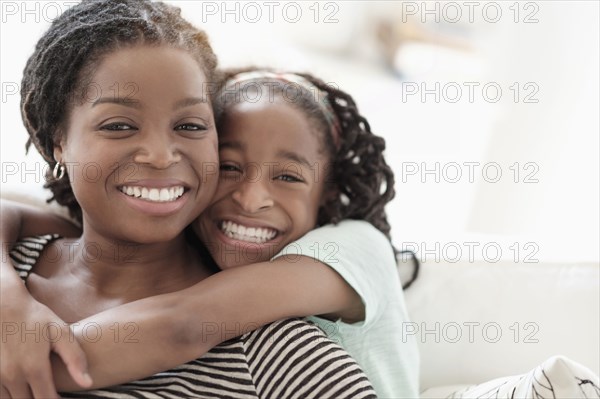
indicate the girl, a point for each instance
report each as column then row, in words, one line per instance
column 280, row 176
column 165, row 130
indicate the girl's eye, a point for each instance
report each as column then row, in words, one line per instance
column 117, row 126
column 289, row 178
column 228, row 167
column 191, row 127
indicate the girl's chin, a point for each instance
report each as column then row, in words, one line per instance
column 224, row 259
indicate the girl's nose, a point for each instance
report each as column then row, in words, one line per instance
column 252, row 196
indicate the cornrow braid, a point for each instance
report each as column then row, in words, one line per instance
column 58, row 73
column 359, row 174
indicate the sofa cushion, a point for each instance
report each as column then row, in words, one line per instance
column 477, row 321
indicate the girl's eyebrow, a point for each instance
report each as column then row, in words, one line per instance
column 234, row 145
column 293, row 156
column 285, row 154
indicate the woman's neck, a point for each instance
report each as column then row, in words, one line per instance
column 130, row 271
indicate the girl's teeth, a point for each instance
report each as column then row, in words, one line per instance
column 154, row 194
column 257, row 235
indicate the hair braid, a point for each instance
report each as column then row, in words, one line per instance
column 360, row 171
column 58, row 73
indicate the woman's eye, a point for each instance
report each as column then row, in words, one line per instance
column 190, row 127
column 117, row 126
column 289, row 178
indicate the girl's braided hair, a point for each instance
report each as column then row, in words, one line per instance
column 359, row 174
column 59, row 71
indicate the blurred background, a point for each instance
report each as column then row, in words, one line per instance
column 489, row 109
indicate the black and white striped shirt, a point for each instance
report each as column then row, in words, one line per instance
column 286, row 359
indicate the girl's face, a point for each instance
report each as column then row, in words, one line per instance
column 141, row 149
column 271, row 183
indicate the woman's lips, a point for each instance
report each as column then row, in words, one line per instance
column 155, row 200
column 154, row 194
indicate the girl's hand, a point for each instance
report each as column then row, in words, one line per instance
column 30, row 332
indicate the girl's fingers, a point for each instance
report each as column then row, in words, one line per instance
column 74, row 358
column 43, row 386
column 4, row 394
column 19, row 391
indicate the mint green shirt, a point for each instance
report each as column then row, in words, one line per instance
column 363, row 256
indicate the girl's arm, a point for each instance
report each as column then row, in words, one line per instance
column 144, row 337
column 154, row 334
column 24, row 358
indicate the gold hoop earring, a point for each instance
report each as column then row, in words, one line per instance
column 59, row 171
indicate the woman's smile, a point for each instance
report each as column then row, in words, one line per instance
column 156, row 197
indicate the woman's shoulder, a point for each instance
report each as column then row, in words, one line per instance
column 26, row 252
column 314, row 365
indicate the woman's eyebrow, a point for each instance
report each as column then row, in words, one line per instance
column 188, row 102
column 128, row 102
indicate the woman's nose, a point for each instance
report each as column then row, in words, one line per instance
column 158, row 149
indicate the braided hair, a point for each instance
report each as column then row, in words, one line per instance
column 57, row 73
column 358, row 173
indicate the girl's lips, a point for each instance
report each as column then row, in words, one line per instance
column 248, row 246
column 254, row 234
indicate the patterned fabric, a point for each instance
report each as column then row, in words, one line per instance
column 286, row 359
column 556, row 378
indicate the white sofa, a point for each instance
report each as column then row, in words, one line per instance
column 478, row 321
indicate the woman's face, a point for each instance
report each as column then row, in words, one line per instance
column 141, row 149
column 272, row 172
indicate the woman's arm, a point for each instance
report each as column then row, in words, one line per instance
column 24, row 358
column 20, row 220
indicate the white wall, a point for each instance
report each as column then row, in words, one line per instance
column 557, row 137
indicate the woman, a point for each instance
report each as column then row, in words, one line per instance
column 164, row 148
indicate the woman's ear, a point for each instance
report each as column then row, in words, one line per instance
column 60, row 139
column 58, row 152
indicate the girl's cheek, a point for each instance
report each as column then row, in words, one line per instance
column 197, row 227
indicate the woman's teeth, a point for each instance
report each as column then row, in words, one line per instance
column 154, row 194
column 258, row 235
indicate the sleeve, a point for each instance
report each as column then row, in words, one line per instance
column 294, row 359
column 361, row 254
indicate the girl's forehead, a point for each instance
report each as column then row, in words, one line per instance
column 270, row 113
column 278, row 116
column 270, row 128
